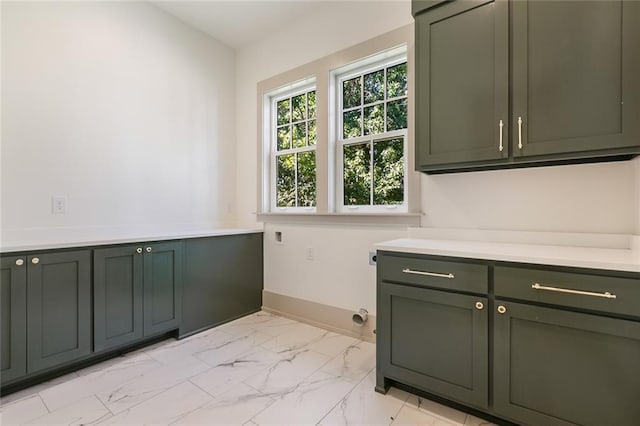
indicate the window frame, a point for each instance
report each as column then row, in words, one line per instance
column 272, row 98
column 320, row 70
column 379, row 61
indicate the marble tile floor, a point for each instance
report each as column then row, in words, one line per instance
column 258, row 370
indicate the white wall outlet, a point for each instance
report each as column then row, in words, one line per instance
column 372, row 258
column 310, row 253
column 58, row 204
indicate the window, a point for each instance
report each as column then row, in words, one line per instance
column 371, row 136
column 293, row 149
column 334, row 136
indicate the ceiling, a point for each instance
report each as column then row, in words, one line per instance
column 238, row 23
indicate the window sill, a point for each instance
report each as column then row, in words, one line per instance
column 362, row 218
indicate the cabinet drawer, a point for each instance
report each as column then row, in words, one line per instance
column 433, row 273
column 570, row 289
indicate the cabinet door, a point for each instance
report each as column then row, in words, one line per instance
column 117, row 296
column 575, row 76
column 222, row 280
column 462, row 83
column 162, row 287
column 13, row 280
column 557, row 367
column 59, row 308
column 435, row 341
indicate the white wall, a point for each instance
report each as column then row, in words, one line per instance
column 340, row 274
column 120, row 107
column 334, row 26
column 595, row 198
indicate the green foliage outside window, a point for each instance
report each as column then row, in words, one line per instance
column 296, row 171
column 388, row 172
column 386, row 186
column 357, row 174
column 373, row 104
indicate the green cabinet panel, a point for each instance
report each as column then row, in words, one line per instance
column 564, row 354
column 137, row 292
column 13, row 280
column 462, row 83
column 573, row 67
column 574, row 64
column 117, row 296
column 430, row 272
column 435, row 341
column 555, row 367
column 58, row 308
column 223, row 280
column 559, row 288
column 162, row 263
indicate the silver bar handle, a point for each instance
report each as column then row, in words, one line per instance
column 520, row 132
column 501, row 145
column 606, row 294
column 431, row 274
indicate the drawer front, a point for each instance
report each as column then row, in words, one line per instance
column 598, row 293
column 438, row 274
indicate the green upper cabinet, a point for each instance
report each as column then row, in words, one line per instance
column 546, row 81
column 575, row 76
column 462, row 84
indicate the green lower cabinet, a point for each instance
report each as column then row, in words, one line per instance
column 223, row 280
column 137, row 292
column 117, row 296
column 13, row 280
column 58, row 308
column 435, row 341
column 555, row 367
column 162, row 284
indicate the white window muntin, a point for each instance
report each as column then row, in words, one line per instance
column 362, row 71
column 383, row 64
column 273, row 145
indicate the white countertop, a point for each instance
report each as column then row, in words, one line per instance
column 616, row 259
column 74, row 238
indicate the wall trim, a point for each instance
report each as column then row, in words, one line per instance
column 386, row 219
column 328, row 317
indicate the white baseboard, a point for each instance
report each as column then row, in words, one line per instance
column 328, row 317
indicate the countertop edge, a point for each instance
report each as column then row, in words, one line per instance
column 16, row 247
column 633, row 265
